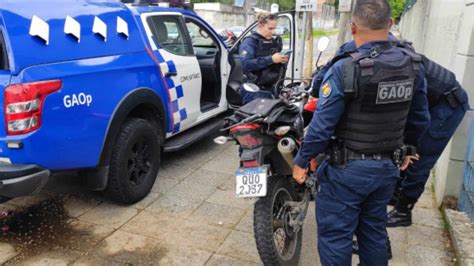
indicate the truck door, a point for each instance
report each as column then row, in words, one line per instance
column 172, row 46
column 286, row 30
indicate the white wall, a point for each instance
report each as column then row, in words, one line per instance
column 443, row 30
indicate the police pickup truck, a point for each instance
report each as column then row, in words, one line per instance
column 105, row 88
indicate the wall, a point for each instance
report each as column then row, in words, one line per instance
column 221, row 16
column 443, row 30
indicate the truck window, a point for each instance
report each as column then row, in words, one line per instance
column 3, row 53
column 169, row 33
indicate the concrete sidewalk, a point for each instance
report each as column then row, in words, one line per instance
column 192, row 217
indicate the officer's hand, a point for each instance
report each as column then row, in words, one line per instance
column 409, row 160
column 299, row 174
column 278, row 58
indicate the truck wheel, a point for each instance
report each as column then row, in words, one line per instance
column 135, row 161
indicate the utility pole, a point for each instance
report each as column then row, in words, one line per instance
column 308, row 59
column 305, row 53
column 344, row 16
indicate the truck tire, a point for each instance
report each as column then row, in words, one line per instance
column 135, row 161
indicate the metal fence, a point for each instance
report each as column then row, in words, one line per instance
column 409, row 4
column 466, row 199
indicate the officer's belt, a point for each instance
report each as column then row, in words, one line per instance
column 454, row 97
column 353, row 155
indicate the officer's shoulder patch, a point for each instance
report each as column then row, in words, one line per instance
column 326, row 89
column 244, row 53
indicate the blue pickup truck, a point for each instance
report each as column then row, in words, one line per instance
column 105, row 88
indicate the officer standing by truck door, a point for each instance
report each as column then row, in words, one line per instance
column 372, row 113
column 262, row 62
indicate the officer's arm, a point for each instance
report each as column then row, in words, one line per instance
column 248, row 58
column 418, row 118
column 330, row 108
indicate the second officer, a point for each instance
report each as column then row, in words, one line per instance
column 371, row 104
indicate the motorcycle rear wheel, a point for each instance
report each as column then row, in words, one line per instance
column 276, row 243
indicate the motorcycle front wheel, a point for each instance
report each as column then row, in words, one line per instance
column 277, row 244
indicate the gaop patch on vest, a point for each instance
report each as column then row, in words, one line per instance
column 326, row 89
column 395, row 91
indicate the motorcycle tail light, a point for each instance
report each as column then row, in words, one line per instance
column 248, row 136
column 249, row 163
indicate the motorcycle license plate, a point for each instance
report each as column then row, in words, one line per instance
column 251, row 182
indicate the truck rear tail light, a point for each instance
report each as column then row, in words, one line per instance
column 24, row 105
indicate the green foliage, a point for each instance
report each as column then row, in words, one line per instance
column 397, row 8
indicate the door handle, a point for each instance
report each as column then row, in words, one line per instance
column 170, row 73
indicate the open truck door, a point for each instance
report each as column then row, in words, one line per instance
column 286, row 29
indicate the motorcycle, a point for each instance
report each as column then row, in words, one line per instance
column 270, row 132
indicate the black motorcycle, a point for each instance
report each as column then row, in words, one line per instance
column 269, row 133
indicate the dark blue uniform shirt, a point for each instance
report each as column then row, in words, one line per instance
column 331, row 107
column 250, row 62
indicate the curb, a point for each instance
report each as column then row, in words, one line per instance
column 461, row 232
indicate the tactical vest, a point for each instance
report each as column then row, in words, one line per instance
column 378, row 96
column 270, row 75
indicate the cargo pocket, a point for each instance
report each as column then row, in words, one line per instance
column 329, row 213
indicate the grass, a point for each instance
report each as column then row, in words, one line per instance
column 319, row 33
column 316, row 34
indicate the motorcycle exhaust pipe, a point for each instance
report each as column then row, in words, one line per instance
column 287, row 146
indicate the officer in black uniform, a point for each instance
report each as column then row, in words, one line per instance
column 262, row 63
column 370, row 105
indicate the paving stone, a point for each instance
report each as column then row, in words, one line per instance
column 193, row 190
column 240, row 245
column 226, row 196
column 132, row 249
column 149, row 199
column 428, row 217
column 309, row 251
column 175, row 171
column 76, row 206
column 173, row 205
column 426, row 201
column 398, row 240
column 151, row 224
column 219, row 260
column 7, row 252
column 29, row 200
column 209, row 177
column 246, row 223
column 56, row 256
column 109, row 215
column 87, row 236
column 196, row 235
column 185, row 256
column 6, row 207
column 93, row 259
column 425, row 236
column 425, row 256
column 227, row 163
column 217, row 214
column 311, row 214
column 164, row 184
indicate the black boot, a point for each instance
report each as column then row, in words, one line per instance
column 355, row 248
column 401, row 213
